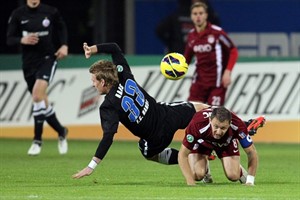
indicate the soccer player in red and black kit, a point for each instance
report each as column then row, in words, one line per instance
column 126, row 102
column 215, row 55
column 33, row 26
column 220, row 130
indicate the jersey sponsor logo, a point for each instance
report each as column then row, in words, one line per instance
column 46, row 22
column 202, row 48
column 24, row 21
column 235, row 150
column 45, row 77
column 190, row 138
column 223, row 144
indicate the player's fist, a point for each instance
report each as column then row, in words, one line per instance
column 30, row 39
column 87, row 50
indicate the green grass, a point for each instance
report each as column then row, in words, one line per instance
column 125, row 174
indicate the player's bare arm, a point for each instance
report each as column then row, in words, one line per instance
column 226, row 79
column 252, row 164
column 185, row 166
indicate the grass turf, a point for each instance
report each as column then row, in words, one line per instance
column 125, row 174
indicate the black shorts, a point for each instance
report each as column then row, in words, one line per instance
column 45, row 70
column 179, row 116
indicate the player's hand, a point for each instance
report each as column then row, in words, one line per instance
column 226, row 79
column 30, row 39
column 85, row 172
column 87, row 50
column 61, row 52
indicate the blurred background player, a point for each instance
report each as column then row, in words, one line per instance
column 215, row 56
column 33, row 26
column 173, row 29
column 127, row 102
column 221, row 131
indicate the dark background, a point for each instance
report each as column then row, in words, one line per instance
column 95, row 21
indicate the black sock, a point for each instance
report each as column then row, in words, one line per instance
column 38, row 127
column 168, row 156
column 174, row 157
column 54, row 123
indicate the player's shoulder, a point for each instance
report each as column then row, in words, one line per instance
column 216, row 28
column 192, row 31
column 237, row 122
column 19, row 11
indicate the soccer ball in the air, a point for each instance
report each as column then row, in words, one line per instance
column 173, row 66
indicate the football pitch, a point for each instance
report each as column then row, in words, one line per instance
column 125, row 174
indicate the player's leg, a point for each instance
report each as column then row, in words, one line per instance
column 38, row 112
column 216, row 96
column 231, row 166
column 47, row 73
column 156, row 150
column 198, row 93
column 200, row 167
column 254, row 124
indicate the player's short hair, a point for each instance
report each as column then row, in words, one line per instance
column 199, row 4
column 221, row 113
column 106, row 70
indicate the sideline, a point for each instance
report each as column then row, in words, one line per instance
column 273, row 132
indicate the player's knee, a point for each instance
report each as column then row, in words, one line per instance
column 153, row 158
column 233, row 176
column 199, row 174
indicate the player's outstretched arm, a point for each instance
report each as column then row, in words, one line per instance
column 89, row 169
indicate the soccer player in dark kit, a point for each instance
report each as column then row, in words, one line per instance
column 126, row 102
column 33, row 27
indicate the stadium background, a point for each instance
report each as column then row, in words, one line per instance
column 262, row 29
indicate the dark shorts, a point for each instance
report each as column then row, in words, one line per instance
column 45, row 70
column 211, row 95
column 178, row 117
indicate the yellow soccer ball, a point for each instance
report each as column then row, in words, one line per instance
column 173, row 66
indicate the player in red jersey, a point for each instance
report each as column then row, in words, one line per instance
column 215, row 55
column 220, row 130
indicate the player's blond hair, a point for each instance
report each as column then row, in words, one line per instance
column 106, row 70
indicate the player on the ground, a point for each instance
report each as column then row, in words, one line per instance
column 220, row 130
column 127, row 102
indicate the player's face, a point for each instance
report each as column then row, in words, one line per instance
column 199, row 16
column 219, row 128
column 33, row 3
column 99, row 85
